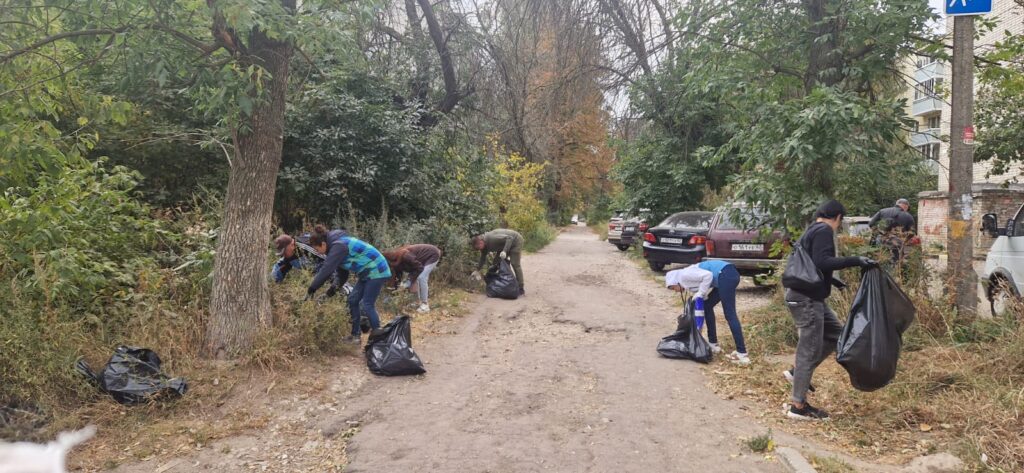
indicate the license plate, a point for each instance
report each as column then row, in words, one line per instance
column 672, row 241
column 629, row 229
column 747, row 247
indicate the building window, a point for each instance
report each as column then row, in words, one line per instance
column 930, row 151
column 935, row 121
column 927, row 88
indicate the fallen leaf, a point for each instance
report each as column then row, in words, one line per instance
column 926, row 428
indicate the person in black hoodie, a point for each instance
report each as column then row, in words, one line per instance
column 816, row 324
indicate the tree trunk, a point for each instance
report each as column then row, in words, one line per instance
column 959, row 233
column 241, row 303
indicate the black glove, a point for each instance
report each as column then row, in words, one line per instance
column 866, row 262
column 838, row 283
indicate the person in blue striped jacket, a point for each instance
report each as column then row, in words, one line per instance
column 359, row 258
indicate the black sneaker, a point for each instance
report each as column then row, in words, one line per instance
column 788, row 374
column 808, row 412
column 351, row 340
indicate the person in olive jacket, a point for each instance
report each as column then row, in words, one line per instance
column 504, row 243
column 419, row 261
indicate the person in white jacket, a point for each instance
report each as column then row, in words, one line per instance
column 714, row 281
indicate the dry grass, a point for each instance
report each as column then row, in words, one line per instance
column 960, row 387
column 227, row 399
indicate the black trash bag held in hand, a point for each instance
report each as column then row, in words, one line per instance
column 390, row 353
column 133, row 376
column 869, row 346
column 502, row 281
column 686, row 343
column 800, row 273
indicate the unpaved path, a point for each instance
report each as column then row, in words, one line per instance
column 565, row 379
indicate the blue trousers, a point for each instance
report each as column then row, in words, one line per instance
column 363, row 301
column 725, row 293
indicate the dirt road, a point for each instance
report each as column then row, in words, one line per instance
column 565, row 379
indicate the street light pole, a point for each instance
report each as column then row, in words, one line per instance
column 963, row 280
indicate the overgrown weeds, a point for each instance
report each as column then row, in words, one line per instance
column 959, row 385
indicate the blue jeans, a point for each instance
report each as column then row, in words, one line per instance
column 363, row 301
column 728, row 281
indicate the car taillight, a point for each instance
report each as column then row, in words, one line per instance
column 644, row 227
column 710, row 247
column 649, row 237
column 698, row 240
column 611, row 226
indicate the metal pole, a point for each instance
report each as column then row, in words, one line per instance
column 963, row 280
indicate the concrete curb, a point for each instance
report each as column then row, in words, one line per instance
column 794, row 461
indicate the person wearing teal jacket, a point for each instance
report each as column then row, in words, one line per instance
column 359, row 258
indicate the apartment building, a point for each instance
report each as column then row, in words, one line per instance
column 928, row 103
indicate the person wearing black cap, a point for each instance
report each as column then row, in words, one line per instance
column 817, row 325
column 893, row 226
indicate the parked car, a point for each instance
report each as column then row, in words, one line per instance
column 1003, row 275
column 746, row 248
column 615, row 229
column 857, row 226
column 679, row 238
column 624, row 230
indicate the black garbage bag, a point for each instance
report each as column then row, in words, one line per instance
column 389, row 352
column 800, row 272
column 133, row 376
column 869, row 346
column 502, row 281
column 687, row 343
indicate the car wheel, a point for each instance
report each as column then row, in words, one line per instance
column 999, row 297
column 623, row 247
column 656, row 266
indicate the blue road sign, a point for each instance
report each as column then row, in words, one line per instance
column 968, row 7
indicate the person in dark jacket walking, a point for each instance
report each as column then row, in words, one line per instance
column 504, row 243
column 358, row 257
column 817, row 326
column 893, row 225
column 419, row 261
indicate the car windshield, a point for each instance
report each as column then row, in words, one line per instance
column 688, row 221
column 754, row 217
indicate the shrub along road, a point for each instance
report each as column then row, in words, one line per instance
column 566, row 379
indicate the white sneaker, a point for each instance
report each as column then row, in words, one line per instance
column 715, row 348
column 739, row 358
column 424, row 308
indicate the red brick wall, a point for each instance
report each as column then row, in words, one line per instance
column 931, row 221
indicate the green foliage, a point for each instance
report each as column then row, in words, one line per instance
column 999, row 117
column 87, row 267
column 789, row 103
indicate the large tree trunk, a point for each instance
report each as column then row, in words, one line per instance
column 241, row 303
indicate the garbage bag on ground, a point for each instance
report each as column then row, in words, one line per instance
column 389, row 352
column 869, row 346
column 133, row 376
column 502, row 281
column 687, row 343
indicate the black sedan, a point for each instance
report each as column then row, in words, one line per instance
column 680, row 238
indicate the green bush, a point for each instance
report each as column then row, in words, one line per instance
column 87, row 267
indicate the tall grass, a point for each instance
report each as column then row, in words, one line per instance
column 959, row 386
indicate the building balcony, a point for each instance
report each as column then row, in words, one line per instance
column 928, row 71
column 925, row 137
column 925, row 106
